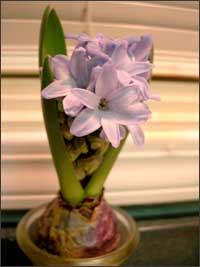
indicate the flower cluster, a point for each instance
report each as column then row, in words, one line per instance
column 104, row 85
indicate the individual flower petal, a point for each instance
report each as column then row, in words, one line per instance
column 123, row 97
column 117, row 116
column 86, row 97
column 94, row 51
column 103, row 135
column 78, row 67
column 120, row 58
column 85, row 123
column 82, row 37
column 139, row 68
column 154, row 97
column 146, row 75
column 143, row 87
column 111, row 131
column 137, row 134
column 139, row 111
column 93, row 78
column 107, row 80
column 132, row 40
column 142, row 51
column 124, row 77
column 72, row 106
column 95, row 62
column 56, row 89
column 122, row 133
column 130, row 115
column 99, row 36
column 109, row 46
column 60, row 67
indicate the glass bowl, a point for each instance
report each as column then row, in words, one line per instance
column 40, row 257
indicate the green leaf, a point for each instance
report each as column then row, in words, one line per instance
column 71, row 188
column 95, row 185
column 41, row 38
column 52, row 41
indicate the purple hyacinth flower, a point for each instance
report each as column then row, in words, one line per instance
column 131, row 68
column 138, row 47
column 79, row 67
column 68, row 74
column 108, row 107
column 63, row 82
column 135, row 131
column 123, row 62
column 130, row 72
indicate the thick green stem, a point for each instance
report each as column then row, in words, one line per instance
column 95, row 185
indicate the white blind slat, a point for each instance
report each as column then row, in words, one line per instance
column 174, row 30
column 182, row 4
column 139, row 13
column 70, row 10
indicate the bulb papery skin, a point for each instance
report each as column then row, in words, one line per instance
column 88, row 230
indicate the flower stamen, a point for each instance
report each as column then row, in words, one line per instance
column 103, row 104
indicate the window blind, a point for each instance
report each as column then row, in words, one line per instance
column 166, row 168
column 174, row 29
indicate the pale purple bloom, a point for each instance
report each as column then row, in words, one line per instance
column 122, row 133
column 68, row 74
column 63, row 82
column 138, row 47
column 130, row 67
column 103, row 85
column 62, row 85
column 129, row 71
column 135, row 131
column 137, row 134
column 139, row 82
column 108, row 107
column 71, row 104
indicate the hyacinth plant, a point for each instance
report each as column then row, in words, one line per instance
column 91, row 100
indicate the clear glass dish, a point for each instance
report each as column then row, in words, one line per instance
column 39, row 257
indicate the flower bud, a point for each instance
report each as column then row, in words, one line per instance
column 90, row 164
column 76, row 147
